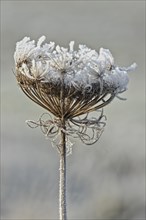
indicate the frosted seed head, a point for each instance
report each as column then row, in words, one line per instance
column 81, row 68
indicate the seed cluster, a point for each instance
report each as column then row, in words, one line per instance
column 89, row 80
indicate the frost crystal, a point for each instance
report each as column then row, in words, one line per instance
column 83, row 68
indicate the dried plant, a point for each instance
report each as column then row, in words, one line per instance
column 69, row 84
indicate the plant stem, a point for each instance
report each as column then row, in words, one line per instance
column 62, row 183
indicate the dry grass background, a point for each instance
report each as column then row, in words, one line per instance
column 105, row 181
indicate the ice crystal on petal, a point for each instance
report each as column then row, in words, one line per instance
column 23, row 49
column 130, row 68
column 71, row 46
column 40, row 41
column 38, row 69
column 105, row 59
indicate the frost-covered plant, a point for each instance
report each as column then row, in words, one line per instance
column 68, row 84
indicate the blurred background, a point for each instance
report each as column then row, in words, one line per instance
column 106, row 180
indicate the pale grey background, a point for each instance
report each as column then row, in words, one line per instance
column 105, row 181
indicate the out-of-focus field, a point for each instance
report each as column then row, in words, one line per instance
column 106, row 180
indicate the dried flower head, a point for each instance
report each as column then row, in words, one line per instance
column 69, row 83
